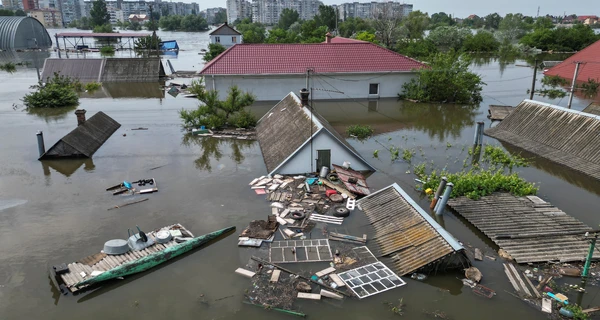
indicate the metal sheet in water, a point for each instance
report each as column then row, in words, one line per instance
column 5, row 204
column 300, row 251
column 371, row 279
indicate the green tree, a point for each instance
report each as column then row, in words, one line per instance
column 543, row 23
column 447, row 38
column 99, row 15
column 279, row 35
column 251, row 32
column 417, row 49
column 415, row 24
column 170, row 23
column 561, row 39
column 20, row 13
column 214, row 49
column 326, row 17
column 287, row 18
column 447, row 80
column 512, row 27
column 105, row 28
column 193, row 23
column 492, row 21
column 134, row 25
column 147, row 43
column 387, row 25
column 220, row 17
column 441, row 19
column 473, row 23
column 58, row 91
column 312, row 33
column 367, row 36
column 483, row 41
column 6, row 12
column 352, row 26
column 215, row 113
column 151, row 25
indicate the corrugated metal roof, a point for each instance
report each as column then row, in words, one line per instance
column 85, row 139
column 85, row 70
column 224, row 30
column 23, row 33
column 565, row 136
column 530, row 229
column 589, row 69
column 405, row 232
column 593, row 108
column 286, row 128
column 294, row 58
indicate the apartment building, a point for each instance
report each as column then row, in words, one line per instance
column 50, row 18
column 369, row 10
column 268, row 11
column 211, row 13
column 143, row 7
column 238, row 10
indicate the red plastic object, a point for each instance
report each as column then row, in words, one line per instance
column 548, row 289
column 330, row 192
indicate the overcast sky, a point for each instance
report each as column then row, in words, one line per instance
column 464, row 8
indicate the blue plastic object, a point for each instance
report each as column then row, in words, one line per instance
column 566, row 313
column 551, row 295
column 127, row 184
column 311, row 180
column 202, row 128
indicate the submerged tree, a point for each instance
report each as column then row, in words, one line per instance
column 214, row 49
column 448, row 79
column 99, row 14
column 58, row 91
column 215, row 113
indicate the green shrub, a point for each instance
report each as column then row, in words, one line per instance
column 59, row 91
column 92, row 86
column 107, row 51
column 359, row 131
column 8, row 67
column 243, row 119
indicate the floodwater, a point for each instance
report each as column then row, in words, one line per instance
column 54, row 212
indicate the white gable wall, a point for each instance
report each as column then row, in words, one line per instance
column 273, row 87
column 301, row 161
column 226, row 40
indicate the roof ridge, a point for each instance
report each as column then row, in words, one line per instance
column 570, row 59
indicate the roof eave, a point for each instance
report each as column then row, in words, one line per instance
column 304, row 73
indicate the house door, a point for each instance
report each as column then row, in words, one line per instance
column 323, row 159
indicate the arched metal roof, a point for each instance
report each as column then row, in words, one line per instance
column 23, row 33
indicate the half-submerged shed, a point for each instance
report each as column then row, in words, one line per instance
column 106, row 69
column 295, row 139
column 84, row 140
column 409, row 235
column 565, row 136
column 23, row 33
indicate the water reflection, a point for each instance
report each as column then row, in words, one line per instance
column 67, row 167
column 116, row 90
column 32, row 59
column 51, row 114
column 211, row 149
column 439, row 121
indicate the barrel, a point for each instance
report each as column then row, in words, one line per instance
column 324, row 172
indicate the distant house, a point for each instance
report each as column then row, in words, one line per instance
column 225, row 35
column 589, row 20
column 473, row 16
column 295, row 139
column 84, row 140
column 589, row 68
column 339, row 68
column 138, row 18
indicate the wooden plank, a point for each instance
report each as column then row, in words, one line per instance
column 311, row 296
column 325, row 272
column 338, row 281
column 532, row 287
column 510, row 278
column 275, row 275
column 245, row 273
column 478, row 254
column 519, row 280
column 330, row 294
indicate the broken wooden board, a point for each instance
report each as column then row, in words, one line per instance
column 347, row 238
column 329, row 294
column 281, row 221
column 325, row 272
column 275, row 275
column 338, row 281
column 546, row 305
column 244, row 272
column 338, row 188
column 250, row 242
column 326, row 219
column 478, row 254
column 284, row 213
column 311, row 296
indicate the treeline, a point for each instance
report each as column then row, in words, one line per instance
column 7, row 12
column 183, row 23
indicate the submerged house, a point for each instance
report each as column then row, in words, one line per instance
column 106, row 69
column 225, row 35
column 338, row 68
column 295, row 139
column 589, row 67
column 84, row 140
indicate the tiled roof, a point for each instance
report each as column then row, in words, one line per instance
column 589, row 69
column 355, row 57
column 344, row 40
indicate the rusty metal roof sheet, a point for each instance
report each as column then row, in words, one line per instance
column 404, row 231
column 360, row 187
column 527, row 228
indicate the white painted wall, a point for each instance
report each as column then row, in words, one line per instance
column 226, row 40
column 301, row 162
column 275, row 87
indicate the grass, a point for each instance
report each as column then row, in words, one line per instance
column 359, row 131
column 92, row 86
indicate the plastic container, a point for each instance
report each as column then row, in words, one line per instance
column 324, row 172
column 566, row 313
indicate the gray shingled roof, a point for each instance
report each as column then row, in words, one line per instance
column 224, row 30
column 283, row 130
column 85, row 70
column 84, row 140
column 287, row 126
column 106, row 69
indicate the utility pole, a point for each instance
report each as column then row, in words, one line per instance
column 535, row 65
column 573, row 83
column 588, row 260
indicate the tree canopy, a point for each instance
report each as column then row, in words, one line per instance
column 214, row 49
column 287, row 18
column 326, row 17
column 190, row 23
column 415, row 24
column 99, row 15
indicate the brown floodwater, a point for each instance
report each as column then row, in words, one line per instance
column 56, row 211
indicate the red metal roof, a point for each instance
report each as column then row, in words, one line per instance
column 352, row 57
column 344, row 40
column 589, row 69
column 105, row 35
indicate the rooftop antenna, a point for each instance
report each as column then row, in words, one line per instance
column 538, row 13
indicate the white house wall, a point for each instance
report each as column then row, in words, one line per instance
column 301, row 161
column 275, row 87
column 226, row 40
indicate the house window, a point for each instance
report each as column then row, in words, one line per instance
column 374, row 88
column 218, row 39
column 234, row 39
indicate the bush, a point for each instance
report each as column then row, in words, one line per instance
column 59, row 91
column 448, row 80
column 214, row 49
column 243, row 119
column 147, row 43
column 359, row 131
column 8, row 67
column 92, row 86
column 483, row 41
column 417, row 49
column 107, row 51
column 106, row 28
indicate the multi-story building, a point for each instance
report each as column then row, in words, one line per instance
column 369, row 10
column 71, row 10
column 211, row 13
column 143, row 7
column 268, row 11
column 116, row 15
column 12, row 4
column 30, row 5
column 50, row 18
column 238, row 10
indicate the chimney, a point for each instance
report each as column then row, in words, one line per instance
column 328, row 37
column 80, row 113
column 304, row 97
